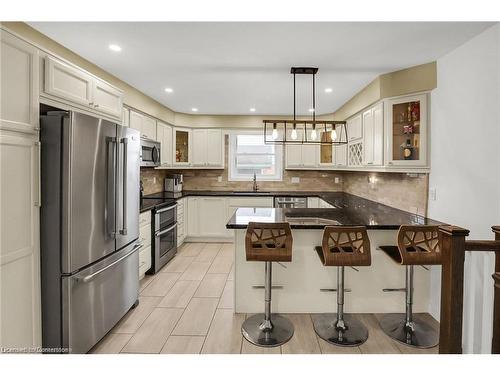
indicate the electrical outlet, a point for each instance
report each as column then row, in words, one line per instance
column 154, row 180
column 295, row 180
column 337, row 180
column 432, row 194
column 219, row 178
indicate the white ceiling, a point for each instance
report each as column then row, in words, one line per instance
column 228, row 68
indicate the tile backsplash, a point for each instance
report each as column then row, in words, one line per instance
column 400, row 190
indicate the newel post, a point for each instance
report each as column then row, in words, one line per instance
column 452, row 288
column 495, row 344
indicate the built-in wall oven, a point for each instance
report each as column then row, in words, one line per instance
column 150, row 153
column 164, row 236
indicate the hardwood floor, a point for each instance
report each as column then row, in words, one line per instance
column 187, row 309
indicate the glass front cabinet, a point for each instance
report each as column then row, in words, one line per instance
column 182, row 146
column 406, row 130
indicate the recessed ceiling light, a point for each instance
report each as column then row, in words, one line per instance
column 115, row 47
column 311, row 109
column 252, row 109
column 194, row 109
column 328, row 90
column 169, row 90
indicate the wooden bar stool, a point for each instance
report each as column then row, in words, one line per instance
column 417, row 245
column 343, row 246
column 268, row 242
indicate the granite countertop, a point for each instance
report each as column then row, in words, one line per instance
column 348, row 210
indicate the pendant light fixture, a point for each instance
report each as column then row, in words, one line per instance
column 311, row 131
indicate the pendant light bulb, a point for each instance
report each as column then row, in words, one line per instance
column 334, row 135
column 314, row 134
column 275, row 134
column 294, row 134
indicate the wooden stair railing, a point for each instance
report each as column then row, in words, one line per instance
column 453, row 250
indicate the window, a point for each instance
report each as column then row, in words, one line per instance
column 248, row 154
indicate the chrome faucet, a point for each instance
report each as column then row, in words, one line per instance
column 255, row 186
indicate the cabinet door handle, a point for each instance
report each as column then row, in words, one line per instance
column 38, row 201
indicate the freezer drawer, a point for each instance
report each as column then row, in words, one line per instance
column 95, row 299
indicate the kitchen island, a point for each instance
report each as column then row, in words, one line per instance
column 303, row 286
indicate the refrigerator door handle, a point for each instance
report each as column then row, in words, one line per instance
column 88, row 278
column 124, row 230
column 111, row 200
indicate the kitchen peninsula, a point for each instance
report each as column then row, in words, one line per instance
column 303, row 285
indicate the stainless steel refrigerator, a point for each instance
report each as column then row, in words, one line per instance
column 89, row 227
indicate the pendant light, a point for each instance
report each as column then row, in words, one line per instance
column 337, row 129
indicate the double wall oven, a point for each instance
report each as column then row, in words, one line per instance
column 164, row 235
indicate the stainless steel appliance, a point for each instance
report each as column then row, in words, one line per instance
column 89, row 227
column 150, row 153
column 290, row 202
column 173, row 183
column 165, row 235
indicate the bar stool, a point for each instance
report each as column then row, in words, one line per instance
column 417, row 245
column 268, row 242
column 341, row 247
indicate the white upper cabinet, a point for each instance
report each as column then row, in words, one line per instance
column 215, row 148
column 373, row 135
column 354, row 128
column 107, row 98
column 135, row 120
column 19, row 84
column 207, row 148
column 68, row 82
column 146, row 125
column 301, row 155
column 199, row 147
column 125, row 117
column 406, row 131
column 76, row 86
column 148, row 128
column 164, row 135
column 340, row 151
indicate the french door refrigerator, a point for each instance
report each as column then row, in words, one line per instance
column 89, row 227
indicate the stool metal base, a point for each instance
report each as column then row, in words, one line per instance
column 417, row 334
column 354, row 333
column 254, row 331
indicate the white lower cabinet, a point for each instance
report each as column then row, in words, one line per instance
column 20, row 323
column 211, row 216
column 208, row 216
column 145, row 240
column 181, row 221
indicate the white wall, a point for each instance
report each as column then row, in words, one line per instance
column 465, row 169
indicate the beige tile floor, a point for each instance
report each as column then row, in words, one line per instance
column 188, row 308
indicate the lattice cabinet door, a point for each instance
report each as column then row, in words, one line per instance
column 355, row 154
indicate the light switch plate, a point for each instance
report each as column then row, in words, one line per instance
column 337, row 180
column 295, row 180
column 219, row 178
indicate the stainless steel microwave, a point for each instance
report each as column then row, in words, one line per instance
column 150, row 153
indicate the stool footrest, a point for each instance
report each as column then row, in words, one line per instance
column 263, row 287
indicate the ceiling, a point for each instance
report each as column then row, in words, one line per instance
column 228, row 68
